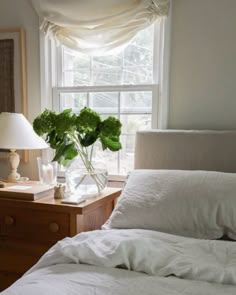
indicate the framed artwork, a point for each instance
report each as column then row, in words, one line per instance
column 13, row 91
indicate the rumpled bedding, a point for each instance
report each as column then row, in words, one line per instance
column 151, row 256
column 150, row 252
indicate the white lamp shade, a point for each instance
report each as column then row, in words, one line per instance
column 17, row 133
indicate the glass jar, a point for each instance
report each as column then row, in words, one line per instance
column 82, row 181
column 47, row 171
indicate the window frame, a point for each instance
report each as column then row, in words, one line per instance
column 49, row 67
column 154, row 87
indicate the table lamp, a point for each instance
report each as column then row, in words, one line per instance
column 16, row 133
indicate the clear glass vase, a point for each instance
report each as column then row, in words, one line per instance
column 47, row 171
column 83, row 181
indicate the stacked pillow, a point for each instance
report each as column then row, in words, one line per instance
column 198, row 204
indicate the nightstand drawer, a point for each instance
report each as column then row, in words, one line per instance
column 29, row 229
column 7, row 278
column 18, row 256
column 35, row 225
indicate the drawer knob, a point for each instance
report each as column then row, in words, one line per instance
column 54, row 227
column 9, row 220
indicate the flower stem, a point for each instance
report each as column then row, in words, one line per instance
column 86, row 159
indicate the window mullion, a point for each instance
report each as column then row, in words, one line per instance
column 156, row 73
column 60, row 61
column 156, row 53
column 119, row 111
column 109, row 88
column 155, row 104
column 123, row 66
column 56, row 100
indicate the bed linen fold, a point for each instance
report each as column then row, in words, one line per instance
column 149, row 252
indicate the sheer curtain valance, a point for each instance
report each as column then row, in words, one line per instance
column 97, row 26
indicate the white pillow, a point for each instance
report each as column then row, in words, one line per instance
column 199, row 204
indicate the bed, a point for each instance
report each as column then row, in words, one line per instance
column 171, row 232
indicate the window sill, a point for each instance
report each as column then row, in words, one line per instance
column 113, row 180
column 116, row 180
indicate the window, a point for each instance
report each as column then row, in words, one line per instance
column 124, row 84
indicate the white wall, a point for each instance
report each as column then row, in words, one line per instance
column 203, row 65
column 19, row 13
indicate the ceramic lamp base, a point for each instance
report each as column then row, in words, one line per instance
column 14, row 161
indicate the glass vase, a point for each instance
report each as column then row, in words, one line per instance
column 85, row 181
column 47, row 171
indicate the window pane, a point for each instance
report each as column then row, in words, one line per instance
column 130, row 125
column 76, row 68
column 75, row 61
column 138, row 75
column 104, row 102
column 138, row 59
column 133, row 123
column 127, row 154
column 75, row 78
column 132, row 102
column 74, row 101
column 133, row 65
column 110, row 159
column 136, row 102
column 108, row 61
column 135, row 55
column 108, row 76
column 143, row 38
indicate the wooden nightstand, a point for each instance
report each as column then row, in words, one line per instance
column 29, row 228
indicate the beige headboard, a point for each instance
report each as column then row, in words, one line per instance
column 186, row 150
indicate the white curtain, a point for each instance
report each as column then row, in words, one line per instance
column 97, row 26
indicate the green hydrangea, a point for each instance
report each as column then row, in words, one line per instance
column 45, row 122
column 87, row 121
column 111, row 127
column 67, row 132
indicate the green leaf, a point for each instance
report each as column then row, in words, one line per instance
column 65, row 162
column 89, row 139
column 70, row 152
column 110, row 127
column 44, row 123
column 67, row 111
column 112, row 143
column 59, row 153
column 65, row 152
column 65, row 122
column 87, row 121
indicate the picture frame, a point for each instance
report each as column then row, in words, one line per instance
column 20, row 83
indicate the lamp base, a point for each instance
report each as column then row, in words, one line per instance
column 14, row 160
column 14, row 177
column 21, row 180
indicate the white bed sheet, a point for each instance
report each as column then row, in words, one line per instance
column 199, row 266
column 71, row 279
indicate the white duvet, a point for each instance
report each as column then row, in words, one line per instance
column 159, row 263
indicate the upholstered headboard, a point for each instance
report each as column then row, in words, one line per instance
column 186, row 150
